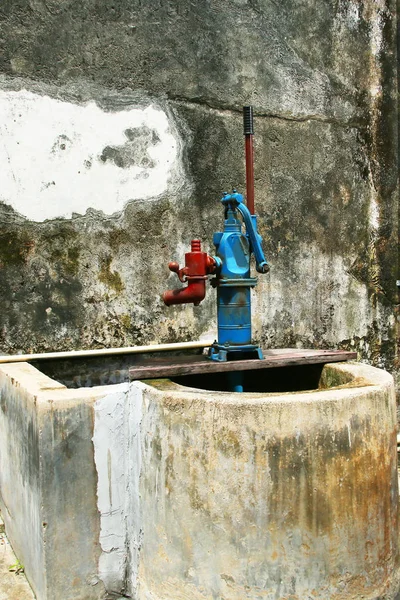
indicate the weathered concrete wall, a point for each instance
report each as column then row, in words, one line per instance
column 48, row 483
column 20, row 475
column 122, row 127
column 166, row 492
column 270, row 496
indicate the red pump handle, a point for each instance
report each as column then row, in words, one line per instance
column 248, row 133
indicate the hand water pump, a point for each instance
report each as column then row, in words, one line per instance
column 231, row 268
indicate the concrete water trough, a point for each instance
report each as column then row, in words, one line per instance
column 172, row 490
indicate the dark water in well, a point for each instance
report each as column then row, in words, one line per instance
column 280, row 379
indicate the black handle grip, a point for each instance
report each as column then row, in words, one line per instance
column 248, row 128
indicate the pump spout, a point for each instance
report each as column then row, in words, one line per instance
column 198, row 265
column 194, row 292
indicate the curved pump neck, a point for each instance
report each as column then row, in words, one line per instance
column 233, row 203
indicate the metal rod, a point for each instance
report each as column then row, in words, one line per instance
column 248, row 133
column 235, row 381
column 106, row 351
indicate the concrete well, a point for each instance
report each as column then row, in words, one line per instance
column 159, row 491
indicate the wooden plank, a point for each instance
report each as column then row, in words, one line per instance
column 174, row 366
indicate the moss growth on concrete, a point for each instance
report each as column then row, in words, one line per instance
column 110, row 278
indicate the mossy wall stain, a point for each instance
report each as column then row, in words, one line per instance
column 15, row 247
column 110, row 278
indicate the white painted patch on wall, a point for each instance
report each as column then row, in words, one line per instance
column 351, row 13
column 117, row 454
column 60, row 158
column 377, row 13
column 109, row 455
column 374, row 212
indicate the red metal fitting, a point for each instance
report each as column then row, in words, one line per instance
column 198, row 265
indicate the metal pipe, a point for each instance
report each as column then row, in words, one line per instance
column 106, row 351
column 198, row 265
column 194, row 292
column 249, row 132
column 235, row 381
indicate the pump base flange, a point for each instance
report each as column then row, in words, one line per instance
column 226, row 352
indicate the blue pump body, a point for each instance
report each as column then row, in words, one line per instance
column 234, row 282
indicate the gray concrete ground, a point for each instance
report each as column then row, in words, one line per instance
column 13, row 583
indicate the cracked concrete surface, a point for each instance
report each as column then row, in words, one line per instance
column 260, row 113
